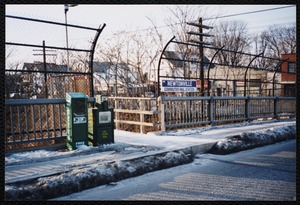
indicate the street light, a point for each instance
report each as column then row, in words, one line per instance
column 66, row 22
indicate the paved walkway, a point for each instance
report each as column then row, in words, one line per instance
column 202, row 141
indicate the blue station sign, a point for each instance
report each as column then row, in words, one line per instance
column 179, row 86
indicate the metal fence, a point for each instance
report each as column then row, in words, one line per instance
column 194, row 111
column 36, row 122
column 40, row 66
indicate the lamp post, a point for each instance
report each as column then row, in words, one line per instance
column 66, row 22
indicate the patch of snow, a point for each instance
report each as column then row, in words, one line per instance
column 254, row 139
column 84, row 147
column 23, row 156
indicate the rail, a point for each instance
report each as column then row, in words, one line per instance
column 38, row 121
column 191, row 111
column 137, row 113
column 35, row 121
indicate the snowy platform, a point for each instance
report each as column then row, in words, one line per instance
column 131, row 155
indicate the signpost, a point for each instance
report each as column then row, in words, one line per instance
column 179, row 86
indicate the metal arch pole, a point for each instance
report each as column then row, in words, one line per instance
column 247, row 72
column 99, row 31
column 209, row 67
column 276, row 70
column 159, row 62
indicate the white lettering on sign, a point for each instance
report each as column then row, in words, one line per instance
column 178, row 89
column 179, row 86
column 79, row 144
column 79, row 120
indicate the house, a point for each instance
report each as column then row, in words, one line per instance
column 111, row 75
column 288, row 75
column 175, row 64
column 229, row 81
column 223, row 80
column 33, row 81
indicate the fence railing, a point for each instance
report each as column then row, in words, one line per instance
column 190, row 111
column 135, row 114
column 38, row 121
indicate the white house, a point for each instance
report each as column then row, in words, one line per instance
column 173, row 65
column 108, row 76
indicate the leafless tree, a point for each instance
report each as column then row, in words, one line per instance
column 280, row 40
column 235, row 37
column 177, row 22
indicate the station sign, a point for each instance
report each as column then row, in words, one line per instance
column 179, row 86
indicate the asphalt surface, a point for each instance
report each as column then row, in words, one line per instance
column 265, row 173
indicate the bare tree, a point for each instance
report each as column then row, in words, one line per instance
column 280, row 40
column 177, row 22
column 235, row 37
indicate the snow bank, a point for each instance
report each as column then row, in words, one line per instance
column 195, row 131
column 44, row 155
column 254, row 139
column 93, row 175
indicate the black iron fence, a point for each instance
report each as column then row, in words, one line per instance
column 194, row 111
column 32, row 122
column 38, row 65
column 255, row 75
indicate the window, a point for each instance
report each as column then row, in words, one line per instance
column 292, row 68
column 290, row 90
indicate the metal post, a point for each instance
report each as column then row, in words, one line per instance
column 276, row 101
column 92, row 51
column 159, row 62
column 67, row 42
column 209, row 67
column 66, row 22
column 247, row 72
column 276, row 70
column 45, row 69
column 201, row 58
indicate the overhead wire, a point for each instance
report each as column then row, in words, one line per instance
column 219, row 17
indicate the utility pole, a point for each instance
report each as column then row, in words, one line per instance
column 45, row 64
column 66, row 22
column 201, row 43
column 201, row 53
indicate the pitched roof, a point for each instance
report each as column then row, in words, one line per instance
column 39, row 66
column 102, row 67
column 176, row 59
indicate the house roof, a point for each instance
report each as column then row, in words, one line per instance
column 102, row 67
column 39, row 66
column 172, row 55
column 176, row 59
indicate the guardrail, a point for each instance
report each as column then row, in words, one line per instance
column 35, row 121
column 135, row 114
column 190, row 111
column 38, row 121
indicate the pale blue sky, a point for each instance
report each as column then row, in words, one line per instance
column 122, row 17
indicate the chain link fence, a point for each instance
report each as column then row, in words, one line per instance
column 42, row 65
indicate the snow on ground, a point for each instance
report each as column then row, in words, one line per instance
column 193, row 131
column 253, row 139
column 81, row 178
column 127, row 142
column 42, row 155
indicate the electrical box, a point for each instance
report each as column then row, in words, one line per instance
column 101, row 124
column 76, row 119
